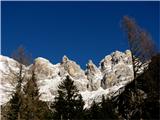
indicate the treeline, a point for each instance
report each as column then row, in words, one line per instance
column 70, row 105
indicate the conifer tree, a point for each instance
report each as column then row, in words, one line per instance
column 16, row 78
column 95, row 111
column 13, row 112
column 24, row 103
column 31, row 99
column 33, row 108
column 79, row 112
column 68, row 103
column 108, row 108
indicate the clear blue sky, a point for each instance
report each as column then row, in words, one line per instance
column 80, row 30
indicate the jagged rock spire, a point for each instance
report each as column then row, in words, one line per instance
column 90, row 61
column 91, row 66
column 65, row 59
column 93, row 75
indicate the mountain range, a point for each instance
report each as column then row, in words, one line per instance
column 108, row 79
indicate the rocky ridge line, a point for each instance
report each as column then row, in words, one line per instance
column 114, row 71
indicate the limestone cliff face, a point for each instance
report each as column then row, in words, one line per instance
column 44, row 69
column 94, row 76
column 113, row 71
column 115, row 68
column 71, row 68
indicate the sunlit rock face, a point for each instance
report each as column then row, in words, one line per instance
column 69, row 67
column 44, row 69
column 115, row 68
column 94, row 76
column 114, row 72
column 73, row 69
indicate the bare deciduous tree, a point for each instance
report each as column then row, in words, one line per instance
column 140, row 44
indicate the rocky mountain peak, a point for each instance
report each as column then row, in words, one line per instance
column 93, row 75
column 41, row 60
column 69, row 67
column 6, row 61
column 115, row 68
column 128, row 53
column 65, row 59
column 90, row 61
column 118, row 57
column 44, row 68
column 91, row 67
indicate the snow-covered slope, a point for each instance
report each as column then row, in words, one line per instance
column 114, row 72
